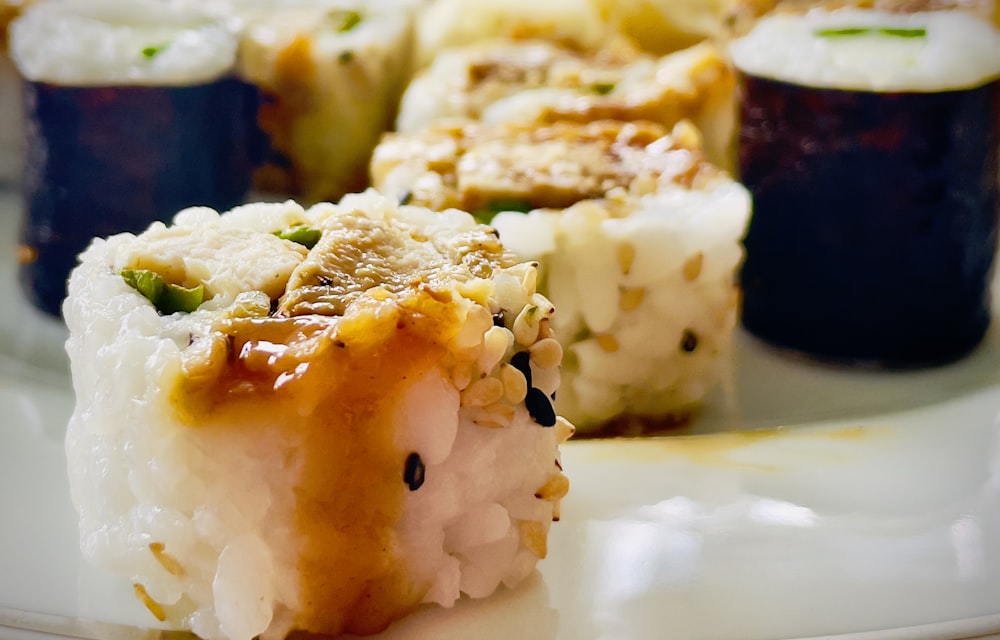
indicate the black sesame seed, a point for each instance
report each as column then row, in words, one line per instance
column 499, row 319
column 522, row 362
column 345, row 57
column 324, row 280
column 406, row 197
column 413, row 472
column 540, row 408
column 689, row 341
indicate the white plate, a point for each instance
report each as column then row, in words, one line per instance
column 867, row 507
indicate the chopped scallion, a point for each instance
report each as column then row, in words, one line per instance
column 492, row 208
column 896, row 32
column 346, row 20
column 152, row 51
column 903, row 33
column 301, row 234
column 603, row 88
column 166, row 297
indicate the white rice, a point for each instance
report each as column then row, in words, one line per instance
column 630, row 361
column 638, row 240
column 958, row 51
column 102, row 42
column 202, row 519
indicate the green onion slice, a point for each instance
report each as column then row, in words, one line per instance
column 152, row 51
column 848, row 32
column 301, row 234
column 603, row 88
column 492, row 208
column 167, row 298
column 345, row 20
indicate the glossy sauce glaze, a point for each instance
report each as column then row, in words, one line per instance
column 330, row 400
column 875, row 219
column 103, row 160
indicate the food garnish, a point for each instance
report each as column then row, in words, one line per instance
column 166, row 297
column 347, row 20
column 896, row 32
column 486, row 214
column 152, row 51
column 301, row 234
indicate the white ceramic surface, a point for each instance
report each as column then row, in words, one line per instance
column 865, row 505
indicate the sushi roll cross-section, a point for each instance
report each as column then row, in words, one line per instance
column 312, row 420
column 133, row 112
column 638, row 240
column 332, row 73
column 538, row 81
column 869, row 140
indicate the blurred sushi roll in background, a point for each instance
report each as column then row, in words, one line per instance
column 273, row 434
column 11, row 117
column 869, row 140
column 638, row 240
column 539, row 81
column 133, row 112
column 574, row 24
column 331, row 73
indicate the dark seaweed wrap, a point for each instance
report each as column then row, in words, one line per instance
column 875, row 219
column 102, row 160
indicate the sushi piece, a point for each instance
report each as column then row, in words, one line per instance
column 444, row 24
column 638, row 238
column 11, row 118
column 536, row 81
column 663, row 26
column 883, row 126
column 332, row 73
column 132, row 114
column 311, row 420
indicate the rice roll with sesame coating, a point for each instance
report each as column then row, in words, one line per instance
column 311, row 420
column 332, row 72
column 638, row 238
column 537, row 81
column 133, row 112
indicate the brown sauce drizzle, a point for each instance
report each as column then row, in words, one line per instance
column 294, row 380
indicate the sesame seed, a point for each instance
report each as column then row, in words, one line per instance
column 546, row 353
column 607, row 342
column 515, row 387
column 540, row 407
column 413, row 471
column 626, row 256
column 692, row 266
column 483, row 392
column 554, row 488
column 522, row 362
column 631, row 298
column 689, row 341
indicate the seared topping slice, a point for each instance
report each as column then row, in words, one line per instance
column 358, row 256
column 512, row 167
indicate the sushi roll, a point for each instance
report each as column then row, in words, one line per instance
column 11, row 118
column 332, row 73
column 638, row 240
column 883, row 127
column 444, row 24
column 663, row 26
column 311, row 420
column 132, row 114
column 541, row 82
